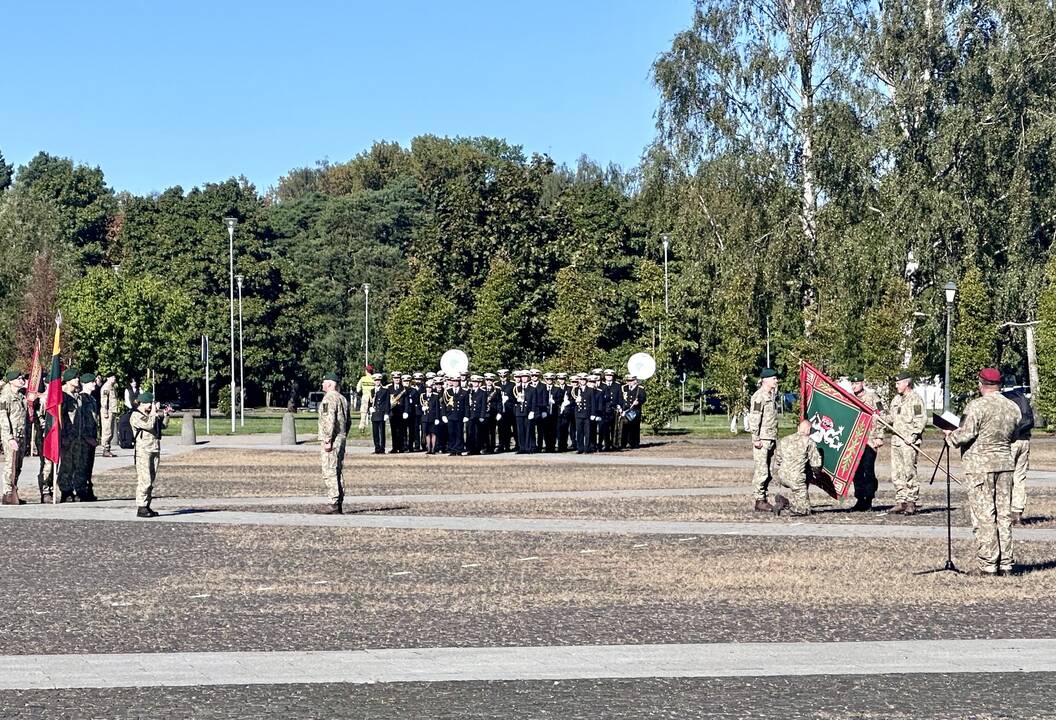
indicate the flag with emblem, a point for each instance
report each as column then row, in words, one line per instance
column 840, row 425
column 53, row 400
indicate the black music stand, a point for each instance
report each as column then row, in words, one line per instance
column 944, row 422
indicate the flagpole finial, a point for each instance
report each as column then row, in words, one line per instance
column 58, row 318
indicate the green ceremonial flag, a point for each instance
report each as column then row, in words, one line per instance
column 841, row 424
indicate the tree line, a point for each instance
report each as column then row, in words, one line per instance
column 820, row 172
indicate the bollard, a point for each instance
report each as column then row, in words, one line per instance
column 187, row 436
column 289, row 430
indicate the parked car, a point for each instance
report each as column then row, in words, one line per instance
column 314, row 398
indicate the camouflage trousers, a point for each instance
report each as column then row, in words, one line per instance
column 108, row 423
column 1021, row 463
column 13, row 465
column 146, row 474
column 799, row 500
column 763, row 458
column 990, row 501
column 332, row 463
column 904, row 472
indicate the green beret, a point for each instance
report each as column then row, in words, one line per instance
column 14, row 375
column 857, row 377
column 88, row 377
column 332, row 376
column 904, row 375
column 71, row 374
column 767, row 373
column 145, row 397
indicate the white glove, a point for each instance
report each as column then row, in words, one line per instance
column 465, row 420
column 544, row 415
column 444, row 418
column 405, row 416
column 498, row 416
column 480, row 419
column 386, row 418
column 436, row 422
column 531, row 415
column 505, row 398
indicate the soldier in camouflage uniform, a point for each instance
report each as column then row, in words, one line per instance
column 14, row 434
column 795, row 459
column 333, row 429
column 762, row 421
column 908, row 418
column 87, row 439
column 109, row 411
column 865, row 482
column 147, row 421
column 985, row 437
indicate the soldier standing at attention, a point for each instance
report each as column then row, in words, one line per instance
column 378, row 409
column 610, row 394
column 1020, row 453
column 14, row 434
column 566, row 414
column 68, row 432
column 632, row 399
column 455, row 408
column 494, row 412
column 762, row 421
column 907, row 418
column 333, row 431
column 476, row 414
column 109, row 410
column 795, row 459
column 147, row 421
column 506, row 430
column 87, row 439
column 985, row 438
column 865, row 482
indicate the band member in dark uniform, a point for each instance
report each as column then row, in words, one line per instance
column 429, row 403
column 523, row 411
column 379, row 412
column 632, row 398
column 566, row 414
column 454, row 406
column 610, row 394
column 398, row 412
column 476, row 413
column 583, row 397
column 506, row 424
column 493, row 403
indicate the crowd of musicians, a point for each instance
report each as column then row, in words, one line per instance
column 526, row 411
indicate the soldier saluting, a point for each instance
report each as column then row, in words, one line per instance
column 762, row 422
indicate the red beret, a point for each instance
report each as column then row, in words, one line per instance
column 990, row 376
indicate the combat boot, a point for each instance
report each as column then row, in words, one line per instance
column 10, row 498
column 862, row 505
column 781, row 503
column 763, row 506
column 145, row 512
column 1017, row 518
column 909, row 508
column 67, row 496
column 334, row 509
column 46, row 498
column 107, row 453
column 897, row 509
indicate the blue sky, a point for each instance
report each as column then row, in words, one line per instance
column 160, row 94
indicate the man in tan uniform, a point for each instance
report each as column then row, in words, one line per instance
column 109, row 411
column 147, row 421
column 762, row 421
column 985, row 437
column 795, row 459
column 14, row 434
column 908, row 418
column 333, row 429
column 865, row 482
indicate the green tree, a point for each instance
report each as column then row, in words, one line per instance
column 497, row 317
column 419, row 327
column 6, row 172
column 128, row 324
column 574, row 327
column 663, row 401
column 1046, row 342
column 974, row 333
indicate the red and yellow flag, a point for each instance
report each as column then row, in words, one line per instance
column 53, row 400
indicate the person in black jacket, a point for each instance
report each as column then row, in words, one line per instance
column 566, row 414
column 397, row 412
column 494, row 414
column 429, row 402
column 583, row 397
column 631, row 401
column 506, row 424
column 548, row 425
column 1020, row 453
column 379, row 412
column 523, row 410
column 454, row 407
column 610, row 394
column 540, row 403
column 414, row 431
column 476, row 414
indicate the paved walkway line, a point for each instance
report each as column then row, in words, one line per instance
column 24, row 672
column 91, row 512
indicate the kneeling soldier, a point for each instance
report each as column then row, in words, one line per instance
column 796, row 457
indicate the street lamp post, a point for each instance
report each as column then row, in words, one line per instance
column 667, row 307
column 241, row 361
column 366, row 325
column 231, row 222
column 951, row 295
